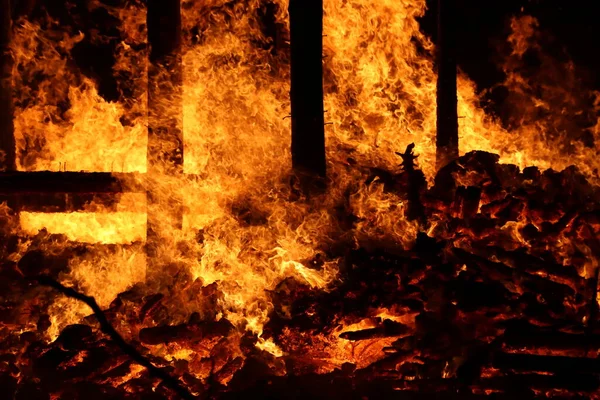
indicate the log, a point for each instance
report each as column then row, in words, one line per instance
column 168, row 380
column 447, row 100
column 7, row 138
column 185, row 332
column 554, row 364
column 522, row 383
column 522, row 336
column 308, row 130
column 45, row 182
column 61, row 202
column 387, row 329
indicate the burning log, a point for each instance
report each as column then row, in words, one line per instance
column 553, row 364
column 185, row 332
column 66, row 182
column 514, row 385
column 387, row 329
column 7, row 139
column 522, row 336
column 169, row 381
column 447, row 114
column 308, row 131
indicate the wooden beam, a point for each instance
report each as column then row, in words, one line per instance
column 60, row 202
column 447, row 100
column 165, row 114
column 7, row 138
column 308, row 131
column 165, row 140
column 67, row 182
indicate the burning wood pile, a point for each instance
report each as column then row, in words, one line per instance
column 209, row 199
column 496, row 295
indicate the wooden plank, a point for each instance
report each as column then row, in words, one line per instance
column 60, row 202
column 308, row 131
column 67, row 182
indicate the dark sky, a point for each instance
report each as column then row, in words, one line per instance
column 483, row 24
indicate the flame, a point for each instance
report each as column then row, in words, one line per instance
column 121, row 227
column 244, row 228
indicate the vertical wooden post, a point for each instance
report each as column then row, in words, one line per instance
column 447, row 100
column 165, row 136
column 7, row 137
column 308, row 131
column 165, row 142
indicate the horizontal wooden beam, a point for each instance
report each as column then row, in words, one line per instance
column 45, row 182
column 61, row 202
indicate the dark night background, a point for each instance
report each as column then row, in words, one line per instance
column 483, row 26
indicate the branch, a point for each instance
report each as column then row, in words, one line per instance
column 168, row 380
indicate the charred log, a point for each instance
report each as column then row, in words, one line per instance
column 168, row 380
column 66, row 182
column 387, row 329
column 185, row 332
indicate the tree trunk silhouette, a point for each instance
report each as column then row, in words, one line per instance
column 165, row 143
column 308, row 131
column 165, row 136
column 447, row 101
column 7, row 137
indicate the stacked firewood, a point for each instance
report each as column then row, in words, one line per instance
column 501, row 286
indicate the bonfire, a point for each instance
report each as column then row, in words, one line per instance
column 289, row 199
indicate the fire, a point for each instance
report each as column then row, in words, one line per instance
column 245, row 229
column 121, row 227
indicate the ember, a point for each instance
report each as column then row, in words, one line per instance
column 173, row 226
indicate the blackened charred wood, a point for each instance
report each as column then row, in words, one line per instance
column 185, row 332
column 534, row 265
column 553, row 292
column 169, row 381
column 66, row 182
column 513, row 384
column 523, row 336
column 387, row 329
column 308, row 130
column 554, row 364
column 416, row 185
column 466, row 202
column 152, row 302
column 61, row 202
column 447, row 99
column 591, row 240
column 7, row 137
column 494, row 270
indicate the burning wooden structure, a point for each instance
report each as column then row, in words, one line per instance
column 406, row 276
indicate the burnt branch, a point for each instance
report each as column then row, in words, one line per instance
column 106, row 327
